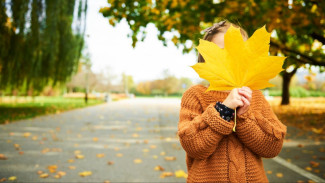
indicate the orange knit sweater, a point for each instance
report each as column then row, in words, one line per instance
column 214, row 153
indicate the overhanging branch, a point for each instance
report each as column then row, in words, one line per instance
column 308, row 59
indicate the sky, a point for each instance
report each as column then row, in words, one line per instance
column 111, row 50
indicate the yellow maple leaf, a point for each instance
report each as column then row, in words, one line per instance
column 240, row 63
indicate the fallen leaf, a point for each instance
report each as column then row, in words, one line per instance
column 308, row 168
column 45, row 150
column 95, row 139
column 168, row 139
column 17, row 146
column 314, row 164
column 159, row 168
column 12, row 178
column 3, row 157
column 170, row 158
column 145, row 150
column 137, row 161
column 116, row 148
column 166, row 174
column 3, row 179
column 85, row 173
column 44, row 175
column 135, row 135
column 153, row 146
column 79, row 156
column 72, row 167
column 52, row 168
column 59, row 174
column 269, row 172
column 119, row 154
column 180, row 174
column 162, row 153
column 110, row 162
column 300, row 145
column 27, row 134
column 39, row 172
column 318, row 131
column 70, row 160
column 279, row 175
column 155, row 157
column 100, row 155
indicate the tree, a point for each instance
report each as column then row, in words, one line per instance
column 40, row 41
column 297, row 27
column 128, row 83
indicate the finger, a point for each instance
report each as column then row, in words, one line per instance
column 247, row 89
column 246, row 94
column 240, row 103
column 245, row 101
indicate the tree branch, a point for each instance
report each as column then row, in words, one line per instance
column 309, row 59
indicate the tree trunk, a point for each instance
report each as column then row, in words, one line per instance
column 86, row 97
column 286, row 86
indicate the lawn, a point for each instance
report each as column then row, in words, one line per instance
column 26, row 107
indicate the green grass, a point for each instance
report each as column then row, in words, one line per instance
column 298, row 92
column 40, row 106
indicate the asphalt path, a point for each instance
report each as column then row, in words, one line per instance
column 132, row 140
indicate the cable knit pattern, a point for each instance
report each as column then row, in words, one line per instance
column 214, row 153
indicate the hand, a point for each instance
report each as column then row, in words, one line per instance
column 246, row 97
column 233, row 100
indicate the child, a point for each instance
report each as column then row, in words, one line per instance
column 214, row 153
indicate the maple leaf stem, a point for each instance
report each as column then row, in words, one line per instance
column 235, row 122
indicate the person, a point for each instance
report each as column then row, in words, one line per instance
column 214, row 152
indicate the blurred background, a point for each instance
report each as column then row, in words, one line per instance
column 57, row 55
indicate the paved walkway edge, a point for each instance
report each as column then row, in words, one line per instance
column 298, row 170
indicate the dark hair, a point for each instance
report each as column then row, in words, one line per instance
column 210, row 32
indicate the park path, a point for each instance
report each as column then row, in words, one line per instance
column 124, row 141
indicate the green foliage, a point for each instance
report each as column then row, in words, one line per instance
column 41, row 41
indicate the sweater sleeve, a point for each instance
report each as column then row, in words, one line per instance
column 260, row 129
column 200, row 131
